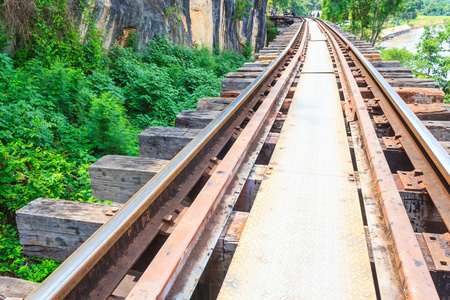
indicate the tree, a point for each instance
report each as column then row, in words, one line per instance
column 312, row 5
column 429, row 59
column 360, row 15
column 335, row 10
column 281, row 4
column 410, row 10
column 298, row 8
column 383, row 10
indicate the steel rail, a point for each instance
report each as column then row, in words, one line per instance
column 435, row 151
column 65, row 279
column 412, row 268
column 156, row 281
column 437, row 184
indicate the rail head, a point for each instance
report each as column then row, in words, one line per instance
column 67, row 276
column 435, row 151
column 415, row 276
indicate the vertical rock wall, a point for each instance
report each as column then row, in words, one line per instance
column 204, row 22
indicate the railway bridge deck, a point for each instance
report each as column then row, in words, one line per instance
column 309, row 197
column 310, row 177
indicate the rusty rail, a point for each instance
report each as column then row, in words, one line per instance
column 416, row 279
column 156, row 281
column 98, row 266
column 422, row 148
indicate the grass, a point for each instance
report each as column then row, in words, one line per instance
column 420, row 21
column 425, row 20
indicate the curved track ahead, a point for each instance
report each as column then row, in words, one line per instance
column 314, row 240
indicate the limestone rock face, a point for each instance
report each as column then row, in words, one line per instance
column 187, row 22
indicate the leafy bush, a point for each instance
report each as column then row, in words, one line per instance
column 430, row 59
column 247, row 50
column 28, row 172
column 132, row 41
column 12, row 262
column 45, row 30
column 240, row 9
column 401, row 55
column 108, row 127
column 272, row 30
column 174, row 10
column 65, row 102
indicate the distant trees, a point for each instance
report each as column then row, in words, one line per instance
column 413, row 8
column 337, row 11
column 360, row 11
column 435, row 8
column 300, row 7
column 382, row 11
column 366, row 17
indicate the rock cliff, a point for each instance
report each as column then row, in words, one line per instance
column 204, row 22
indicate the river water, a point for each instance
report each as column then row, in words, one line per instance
column 407, row 40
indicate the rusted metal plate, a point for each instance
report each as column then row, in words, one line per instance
column 412, row 181
column 380, row 120
column 389, row 282
column 439, row 246
column 373, row 103
column 236, row 226
column 393, row 142
column 304, row 238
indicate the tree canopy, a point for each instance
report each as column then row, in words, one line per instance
column 299, row 7
column 365, row 17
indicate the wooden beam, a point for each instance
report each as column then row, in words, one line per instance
column 446, row 146
column 411, row 82
column 117, row 178
column 218, row 103
column 233, row 84
column 420, row 95
column 432, row 111
column 15, row 287
column 53, row 229
column 164, row 142
column 195, row 118
column 440, row 129
column 386, row 64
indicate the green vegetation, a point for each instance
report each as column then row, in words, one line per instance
column 241, row 8
column 299, row 7
column 425, row 20
column 402, row 55
column 364, row 18
column 429, row 61
column 65, row 101
column 414, row 8
column 367, row 18
column 272, row 30
column 174, row 11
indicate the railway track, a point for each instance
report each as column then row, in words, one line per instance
column 193, row 199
